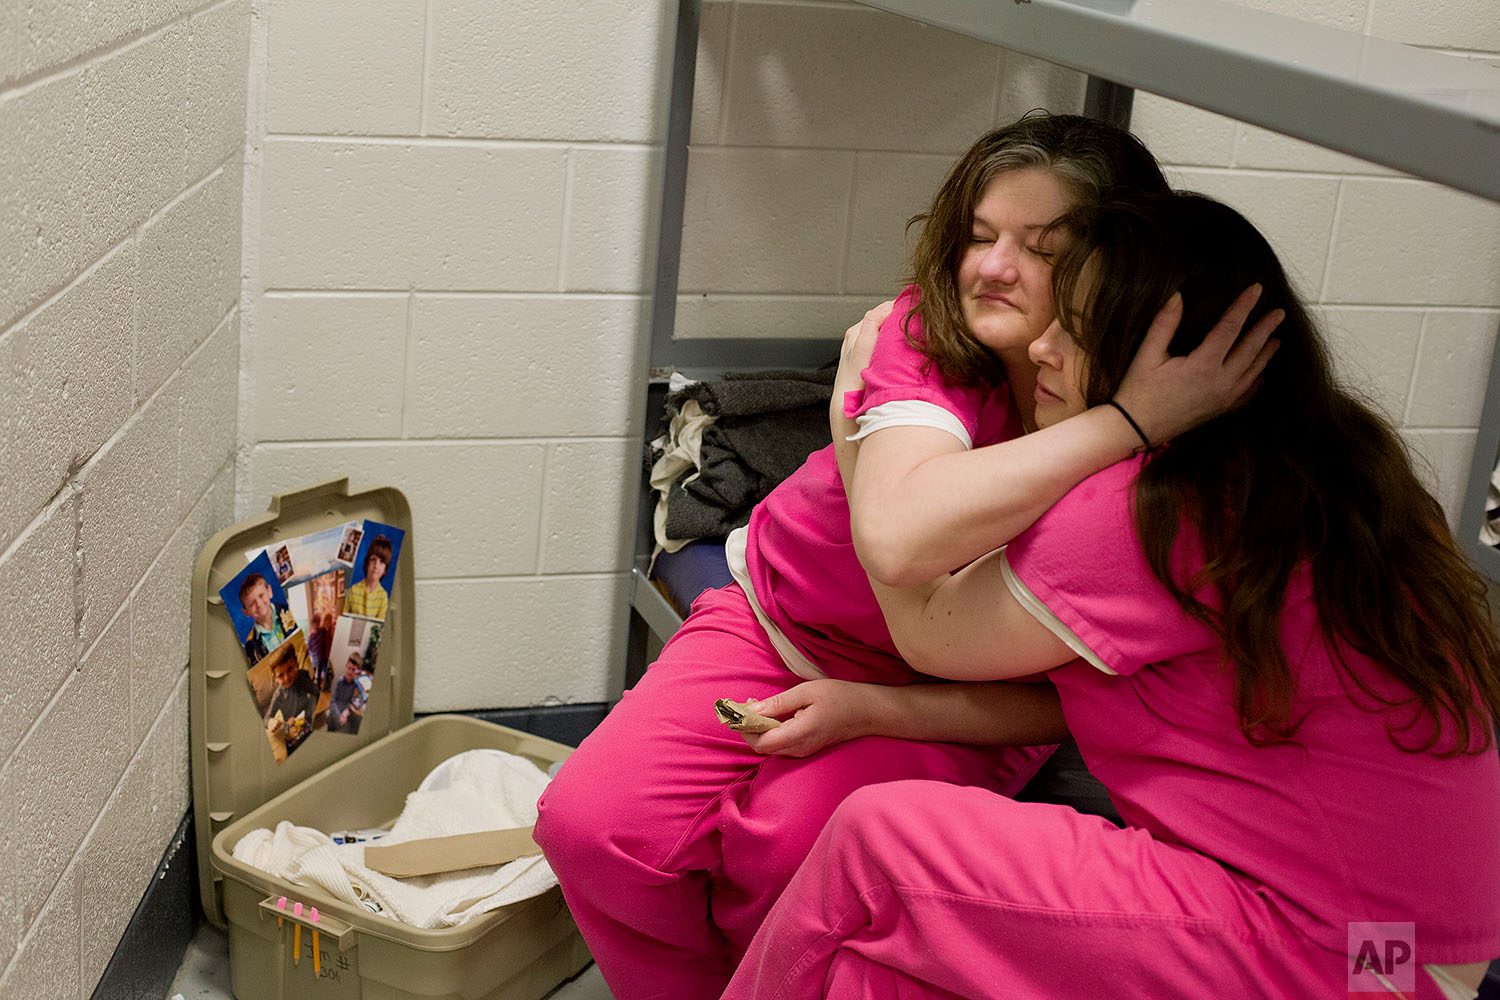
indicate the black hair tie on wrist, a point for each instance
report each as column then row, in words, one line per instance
column 1131, row 421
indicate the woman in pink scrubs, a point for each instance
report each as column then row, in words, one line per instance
column 1270, row 652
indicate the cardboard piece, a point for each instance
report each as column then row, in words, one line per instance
column 448, row 854
column 737, row 716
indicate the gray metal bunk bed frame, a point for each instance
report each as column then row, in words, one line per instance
column 1431, row 115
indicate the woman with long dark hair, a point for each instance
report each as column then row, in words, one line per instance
column 1270, row 652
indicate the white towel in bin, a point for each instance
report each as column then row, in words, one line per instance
column 471, row 792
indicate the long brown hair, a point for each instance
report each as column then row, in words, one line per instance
column 1087, row 156
column 1304, row 474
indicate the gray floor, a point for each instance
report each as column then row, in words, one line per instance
column 204, row 973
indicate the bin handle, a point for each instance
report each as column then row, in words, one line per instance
column 342, row 932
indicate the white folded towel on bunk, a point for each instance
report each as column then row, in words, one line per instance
column 474, row 791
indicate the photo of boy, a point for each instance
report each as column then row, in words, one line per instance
column 257, row 604
column 370, row 578
column 294, row 702
column 346, row 709
column 283, row 564
column 350, row 544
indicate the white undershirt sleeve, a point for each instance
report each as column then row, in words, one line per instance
column 911, row 413
column 1043, row 614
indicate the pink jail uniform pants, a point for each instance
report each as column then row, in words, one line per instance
column 672, row 838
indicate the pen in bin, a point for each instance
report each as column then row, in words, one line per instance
column 297, row 936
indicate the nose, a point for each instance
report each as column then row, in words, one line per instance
column 1043, row 350
column 1002, row 262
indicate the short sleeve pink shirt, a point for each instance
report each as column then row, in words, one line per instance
column 1340, row 825
column 800, row 555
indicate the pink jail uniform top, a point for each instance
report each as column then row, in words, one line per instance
column 1337, row 826
column 800, row 555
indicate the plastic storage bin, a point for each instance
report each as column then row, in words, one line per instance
column 337, row 781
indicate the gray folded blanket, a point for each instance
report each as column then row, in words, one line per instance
column 765, row 425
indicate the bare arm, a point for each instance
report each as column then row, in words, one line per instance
column 921, row 504
column 825, row 712
column 969, row 627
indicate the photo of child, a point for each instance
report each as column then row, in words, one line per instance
column 306, row 556
column 257, row 604
column 346, row 707
column 374, row 571
column 285, row 696
column 350, row 544
column 316, row 604
column 283, row 564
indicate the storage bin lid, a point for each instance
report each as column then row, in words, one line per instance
column 234, row 766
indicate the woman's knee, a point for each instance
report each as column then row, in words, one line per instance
column 568, row 823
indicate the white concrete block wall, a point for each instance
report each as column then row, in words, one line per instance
column 450, row 220
column 121, row 128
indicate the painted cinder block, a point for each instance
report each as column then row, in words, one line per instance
column 50, row 33
column 476, row 508
column 1374, row 352
column 385, row 215
column 1261, row 149
column 160, row 610
column 10, row 920
column 563, row 637
column 765, row 220
column 171, row 781
column 889, row 188
column 42, row 163
column 1452, row 369
column 328, row 367
column 171, row 784
column 66, row 767
column 1451, row 24
column 208, row 388
column 13, row 512
column 609, row 243
column 216, row 104
column 1411, row 242
column 345, row 67
column 1027, row 83
column 69, row 370
column 502, row 366
column 115, row 865
column 47, row 962
column 888, row 83
column 189, row 275
column 588, row 505
column 40, row 624
column 1180, row 133
column 1443, row 461
column 533, row 69
column 818, row 316
column 137, row 102
column 157, row 12
column 125, row 490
